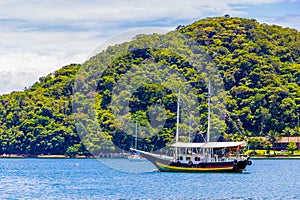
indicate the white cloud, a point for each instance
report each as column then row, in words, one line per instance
column 18, row 71
column 256, row 2
column 26, row 56
column 38, row 37
column 289, row 21
column 117, row 10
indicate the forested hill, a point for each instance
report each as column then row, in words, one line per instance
column 259, row 64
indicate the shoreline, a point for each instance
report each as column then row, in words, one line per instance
column 3, row 156
column 42, row 156
column 274, row 157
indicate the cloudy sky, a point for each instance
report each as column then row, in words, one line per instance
column 39, row 37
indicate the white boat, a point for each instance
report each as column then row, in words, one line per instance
column 200, row 157
column 135, row 156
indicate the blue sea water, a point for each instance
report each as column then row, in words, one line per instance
column 91, row 179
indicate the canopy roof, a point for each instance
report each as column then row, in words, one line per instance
column 187, row 145
column 209, row 144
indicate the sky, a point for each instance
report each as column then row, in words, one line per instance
column 39, row 37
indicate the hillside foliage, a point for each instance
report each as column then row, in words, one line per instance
column 259, row 65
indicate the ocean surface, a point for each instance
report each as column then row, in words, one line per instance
column 121, row 179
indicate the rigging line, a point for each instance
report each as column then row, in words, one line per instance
column 187, row 109
column 227, row 113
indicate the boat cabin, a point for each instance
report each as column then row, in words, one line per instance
column 195, row 153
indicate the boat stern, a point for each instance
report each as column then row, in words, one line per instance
column 240, row 166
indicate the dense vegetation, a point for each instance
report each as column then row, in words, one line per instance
column 258, row 63
column 39, row 120
column 260, row 68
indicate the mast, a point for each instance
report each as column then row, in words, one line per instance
column 177, row 122
column 136, row 134
column 190, row 128
column 208, row 113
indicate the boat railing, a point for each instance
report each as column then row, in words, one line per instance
column 205, row 157
column 202, row 158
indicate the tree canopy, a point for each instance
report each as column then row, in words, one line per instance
column 259, row 66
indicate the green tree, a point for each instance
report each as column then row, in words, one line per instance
column 254, row 143
column 291, row 147
column 272, row 137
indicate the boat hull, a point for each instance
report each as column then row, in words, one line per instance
column 164, row 164
column 202, row 167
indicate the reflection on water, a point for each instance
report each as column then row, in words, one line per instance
column 126, row 165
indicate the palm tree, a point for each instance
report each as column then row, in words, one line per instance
column 272, row 138
column 291, row 147
column 254, row 143
column 267, row 145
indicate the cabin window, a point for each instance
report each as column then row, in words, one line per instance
column 197, row 158
column 180, row 158
column 188, row 158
